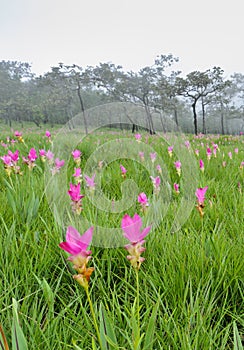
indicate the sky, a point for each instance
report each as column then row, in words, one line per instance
column 130, row 33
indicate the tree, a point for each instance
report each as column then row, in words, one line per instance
column 197, row 85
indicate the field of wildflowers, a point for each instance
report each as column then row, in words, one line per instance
column 144, row 283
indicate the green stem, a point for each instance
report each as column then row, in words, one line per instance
column 93, row 316
column 138, row 300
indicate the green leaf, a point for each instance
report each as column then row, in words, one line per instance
column 18, row 338
column 149, row 336
column 237, row 338
column 107, row 333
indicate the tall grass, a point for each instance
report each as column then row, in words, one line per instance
column 195, row 275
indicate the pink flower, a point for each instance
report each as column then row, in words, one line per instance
column 75, row 243
column 187, row 144
column 76, row 156
column 58, row 164
column 138, row 137
column 49, row 156
column 230, row 155
column 142, row 199
column 242, row 165
column 77, row 174
column 14, row 156
column 236, row 150
column 17, row 133
column 90, row 181
column 7, row 160
column 176, row 188
column 178, row 167
column 156, row 183
column 32, row 156
column 209, row 153
column 48, row 134
column 201, row 164
column 170, row 150
column 74, row 192
column 200, row 194
column 123, row 171
column 159, row 169
column 141, row 155
column 132, row 228
column 132, row 231
column 197, row 152
column 153, row 156
column 77, row 246
column 42, row 153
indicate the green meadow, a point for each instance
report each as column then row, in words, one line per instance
column 190, row 290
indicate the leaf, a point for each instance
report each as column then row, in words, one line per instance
column 237, row 338
column 11, row 201
column 149, row 336
column 107, row 333
column 18, row 338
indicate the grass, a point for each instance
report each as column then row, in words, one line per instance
column 194, row 276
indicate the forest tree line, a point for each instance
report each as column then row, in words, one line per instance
column 204, row 102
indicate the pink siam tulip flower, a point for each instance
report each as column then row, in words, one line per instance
column 142, row 199
column 76, row 197
column 30, row 160
column 178, row 167
column 48, row 134
column 74, row 192
column 224, row 164
column 123, row 171
column 197, row 152
column 76, row 156
column 209, row 153
column 170, row 150
column 132, row 231
column 14, row 156
column 176, row 188
column 236, row 150
column 90, row 182
column 17, row 133
column 32, row 156
column 156, row 183
column 19, row 136
column 138, row 137
column 77, row 246
column 141, row 155
column 153, row 157
column 49, row 156
column 58, row 164
column 7, row 160
column 200, row 194
column 42, row 154
column 159, row 169
column 77, row 175
column 230, row 155
column 242, row 165
column 187, row 144
column 201, row 164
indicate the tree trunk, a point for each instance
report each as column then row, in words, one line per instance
column 194, row 116
column 203, row 118
column 222, row 120
column 176, row 118
column 82, row 108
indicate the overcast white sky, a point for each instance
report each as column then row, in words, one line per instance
column 131, row 33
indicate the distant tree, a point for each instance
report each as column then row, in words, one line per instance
column 198, row 85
